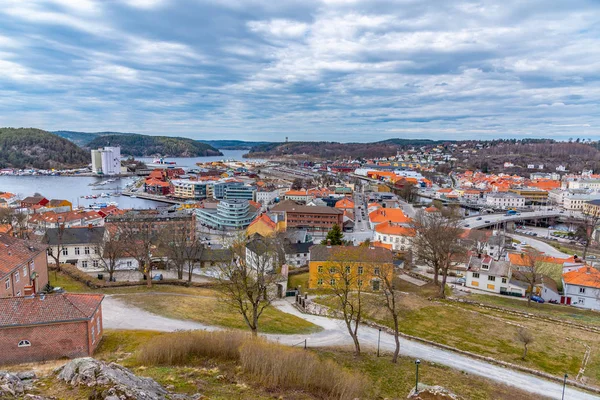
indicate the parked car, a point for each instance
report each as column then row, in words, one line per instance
column 537, row 299
column 479, row 218
column 157, row 277
column 467, row 225
column 486, row 221
column 461, row 281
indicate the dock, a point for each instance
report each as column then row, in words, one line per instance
column 147, row 196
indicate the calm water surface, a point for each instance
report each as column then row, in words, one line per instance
column 73, row 187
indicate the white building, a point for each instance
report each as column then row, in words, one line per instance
column 106, row 161
column 582, row 288
column 399, row 236
column 266, row 197
column 505, row 200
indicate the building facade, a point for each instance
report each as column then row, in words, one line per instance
column 106, row 161
column 229, row 214
column 505, row 200
column 23, row 267
column 49, row 327
column 311, row 218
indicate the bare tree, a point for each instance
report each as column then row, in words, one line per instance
column 139, row 239
column 529, row 270
column 248, row 281
column 347, row 273
column 56, row 251
column 408, row 192
column 586, row 229
column 110, row 249
column 391, row 301
column 182, row 248
column 524, row 337
column 437, row 242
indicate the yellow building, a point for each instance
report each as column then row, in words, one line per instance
column 592, row 207
column 264, row 225
column 532, row 195
column 362, row 267
column 57, row 203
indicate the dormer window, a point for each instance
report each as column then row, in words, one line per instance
column 485, row 267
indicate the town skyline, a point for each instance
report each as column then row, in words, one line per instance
column 319, row 70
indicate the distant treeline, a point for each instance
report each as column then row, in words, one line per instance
column 146, row 146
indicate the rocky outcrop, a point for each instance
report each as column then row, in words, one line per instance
column 16, row 385
column 113, row 381
column 432, row 393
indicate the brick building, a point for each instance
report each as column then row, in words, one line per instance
column 48, row 327
column 23, row 267
column 312, row 218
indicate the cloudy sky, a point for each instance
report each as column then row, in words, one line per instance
column 342, row 70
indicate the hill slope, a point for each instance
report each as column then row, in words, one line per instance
column 146, row 146
column 35, row 148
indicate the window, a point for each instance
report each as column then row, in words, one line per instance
column 503, row 280
column 17, row 276
column 581, row 290
column 31, row 266
column 360, row 270
column 360, row 282
column 375, row 284
column 24, row 343
column 65, row 251
column 24, row 272
column 475, row 274
column 320, row 269
column 7, row 284
column 84, row 264
column 332, row 270
column 474, row 283
column 95, row 250
column 86, row 250
column 129, row 264
column 93, row 332
column 98, row 323
column 376, row 271
column 332, row 282
column 76, row 251
column 581, row 300
column 347, row 269
column 485, row 267
column 491, row 287
column 320, row 282
column 491, row 278
column 95, row 263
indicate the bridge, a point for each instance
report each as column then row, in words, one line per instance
column 484, row 221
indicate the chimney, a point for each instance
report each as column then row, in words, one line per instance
column 588, row 271
column 90, row 227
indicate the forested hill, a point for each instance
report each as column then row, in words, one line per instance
column 147, row 146
column 35, row 148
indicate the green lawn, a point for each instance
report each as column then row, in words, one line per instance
column 211, row 311
column 555, row 350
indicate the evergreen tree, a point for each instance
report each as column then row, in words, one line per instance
column 335, row 236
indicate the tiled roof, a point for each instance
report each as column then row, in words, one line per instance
column 586, row 276
column 263, row 218
column 19, row 311
column 522, row 259
column 344, row 203
column 382, row 245
column 14, row 252
column 394, row 229
column 431, row 209
column 290, row 206
column 350, row 253
column 52, row 217
column 389, row 214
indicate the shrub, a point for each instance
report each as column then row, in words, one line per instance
column 180, row 347
column 282, row 367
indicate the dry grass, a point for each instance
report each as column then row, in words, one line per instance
column 277, row 366
column 181, row 347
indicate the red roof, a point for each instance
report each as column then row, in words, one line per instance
column 264, row 218
column 391, row 228
column 67, row 307
column 389, row 214
column 15, row 252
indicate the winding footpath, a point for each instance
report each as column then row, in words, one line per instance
column 118, row 315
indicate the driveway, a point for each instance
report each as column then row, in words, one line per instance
column 118, row 315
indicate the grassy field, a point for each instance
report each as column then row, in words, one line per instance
column 211, row 311
column 555, row 350
column 220, row 380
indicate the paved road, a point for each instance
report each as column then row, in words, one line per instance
column 493, row 219
column 541, row 246
column 118, row 315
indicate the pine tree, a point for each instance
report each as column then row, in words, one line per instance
column 335, row 236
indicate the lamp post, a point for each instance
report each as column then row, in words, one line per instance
column 417, row 362
column 378, row 340
column 564, row 386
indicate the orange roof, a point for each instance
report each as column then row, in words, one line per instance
column 254, row 204
column 344, row 203
column 394, row 229
column 383, row 245
column 431, row 209
column 156, row 182
column 6, row 195
column 444, row 190
column 296, row 193
column 264, row 218
column 522, row 259
column 6, row 228
column 376, row 205
column 389, row 214
column 587, row 276
column 545, row 184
